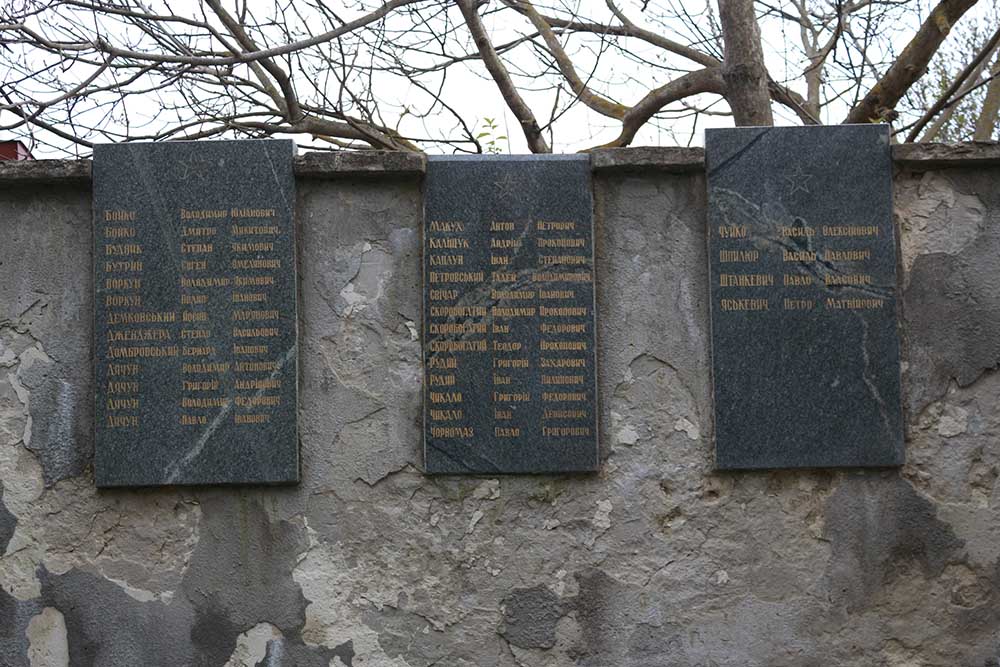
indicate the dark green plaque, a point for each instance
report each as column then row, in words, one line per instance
column 509, row 360
column 195, row 313
column 802, row 257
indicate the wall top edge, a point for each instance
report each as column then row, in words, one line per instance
column 352, row 164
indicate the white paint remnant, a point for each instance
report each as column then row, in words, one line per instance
column 251, row 646
column 133, row 592
column 476, row 518
column 47, row 642
column 355, row 302
column 488, row 490
column 627, row 435
column 954, row 421
column 411, row 325
column 683, row 424
column 602, row 517
column 559, row 586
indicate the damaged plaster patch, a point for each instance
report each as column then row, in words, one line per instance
column 488, row 490
column 369, row 284
column 15, row 617
column 140, row 542
column 530, row 616
column 333, row 612
column 685, row 425
column 411, row 326
column 936, row 217
column 241, row 574
column 251, row 646
column 952, row 312
column 283, row 653
column 877, row 525
column 104, row 626
column 48, row 645
column 954, row 421
column 8, row 523
column 602, row 517
column 239, row 578
column 59, row 418
column 626, row 435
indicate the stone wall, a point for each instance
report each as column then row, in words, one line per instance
column 656, row 561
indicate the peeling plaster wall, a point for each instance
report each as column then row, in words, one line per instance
column 655, row 561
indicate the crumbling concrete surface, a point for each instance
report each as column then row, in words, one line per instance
column 656, row 561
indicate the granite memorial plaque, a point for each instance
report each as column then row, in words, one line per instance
column 802, row 261
column 195, row 313
column 509, row 327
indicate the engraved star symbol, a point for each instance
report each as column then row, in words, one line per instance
column 507, row 185
column 797, row 180
column 196, row 166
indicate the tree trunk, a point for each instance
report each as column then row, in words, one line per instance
column 911, row 63
column 986, row 123
column 743, row 69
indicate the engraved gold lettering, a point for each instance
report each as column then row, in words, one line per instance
column 847, row 279
column 744, row 304
column 447, row 260
column 741, row 256
column 847, row 255
column 565, row 431
column 746, row 280
column 441, row 380
column 446, row 397
column 734, row 231
column 251, row 419
column 457, row 276
column 511, row 397
column 855, row 304
column 547, row 226
column 119, row 216
column 119, row 232
column 198, row 231
column 850, row 230
column 452, row 432
column 445, row 226
column 794, row 280
column 123, row 249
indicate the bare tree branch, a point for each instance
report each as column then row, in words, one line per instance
column 709, row 80
column 496, row 68
column 962, row 84
column 911, row 63
column 599, row 104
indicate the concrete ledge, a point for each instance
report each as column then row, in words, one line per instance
column 351, row 164
column 648, row 158
column 910, row 156
column 45, row 171
column 941, row 156
column 341, row 164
